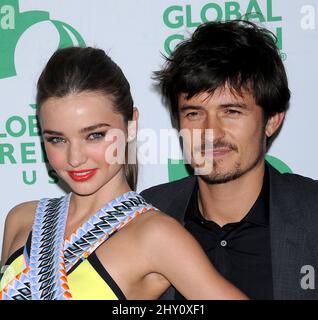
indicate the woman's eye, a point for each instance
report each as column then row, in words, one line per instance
column 55, row 140
column 96, row 135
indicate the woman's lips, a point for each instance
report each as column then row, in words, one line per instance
column 81, row 175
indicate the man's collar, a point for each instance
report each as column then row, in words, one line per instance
column 258, row 214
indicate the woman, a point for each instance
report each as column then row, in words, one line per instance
column 57, row 248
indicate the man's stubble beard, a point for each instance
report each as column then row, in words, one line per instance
column 238, row 171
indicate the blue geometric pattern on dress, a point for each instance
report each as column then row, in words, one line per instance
column 45, row 275
column 101, row 225
column 46, row 256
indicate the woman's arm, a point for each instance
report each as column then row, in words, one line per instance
column 173, row 252
column 17, row 226
column 10, row 229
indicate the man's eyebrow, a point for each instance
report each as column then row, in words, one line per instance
column 234, row 105
column 222, row 105
column 190, row 107
column 94, row 127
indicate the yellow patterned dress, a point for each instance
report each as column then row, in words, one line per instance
column 50, row 267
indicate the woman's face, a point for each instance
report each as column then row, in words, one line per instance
column 76, row 131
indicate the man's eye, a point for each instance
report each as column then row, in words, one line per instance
column 96, row 136
column 55, row 140
column 192, row 115
column 232, row 112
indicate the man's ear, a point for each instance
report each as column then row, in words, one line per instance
column 133, row 126
column 273, row 123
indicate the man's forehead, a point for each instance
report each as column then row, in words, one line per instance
column 224, row 94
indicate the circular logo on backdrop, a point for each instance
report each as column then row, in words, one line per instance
column 19, row 132
column 14, row 23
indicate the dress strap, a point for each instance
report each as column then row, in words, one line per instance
column 44, row 276
column 51, row 257
column 47, row 270
column 108, row 220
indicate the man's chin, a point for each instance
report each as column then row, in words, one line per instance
column 222, row 175
column 219, row 178
column 216, row 172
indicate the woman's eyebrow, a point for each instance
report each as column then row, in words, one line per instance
column 94, row 127
column 83, row 130
column 52, row 132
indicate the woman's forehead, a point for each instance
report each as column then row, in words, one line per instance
column 80, row 110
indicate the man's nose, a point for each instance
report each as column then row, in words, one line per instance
column 76, row 156
column 212, row 122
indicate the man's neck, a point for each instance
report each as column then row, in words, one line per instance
column 230, row 202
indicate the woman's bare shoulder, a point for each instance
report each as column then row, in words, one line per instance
column 18, row 225
column 153, row 218
column 158, row 226
column 21, row 214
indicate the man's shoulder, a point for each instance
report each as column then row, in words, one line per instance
column 294, row 192
column 172, row 197
column 170, row 188
column 295, row 181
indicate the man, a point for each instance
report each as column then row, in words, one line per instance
column 257, row 226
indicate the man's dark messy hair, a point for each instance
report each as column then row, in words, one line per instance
column 238, row 54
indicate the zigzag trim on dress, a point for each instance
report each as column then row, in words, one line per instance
column 45, row 277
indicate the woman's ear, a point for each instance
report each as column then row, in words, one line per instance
column 273, row 123
column 133, row 126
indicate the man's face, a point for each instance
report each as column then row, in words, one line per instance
column 239, row 139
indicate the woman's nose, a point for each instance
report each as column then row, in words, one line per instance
column 76, row 156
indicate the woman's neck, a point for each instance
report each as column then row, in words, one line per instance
column 82, row 207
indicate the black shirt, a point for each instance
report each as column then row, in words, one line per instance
column 239, row 251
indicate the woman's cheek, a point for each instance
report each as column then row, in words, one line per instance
column 114, row 146
column 112, row 154
column 56, row 158
column 95, row 154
